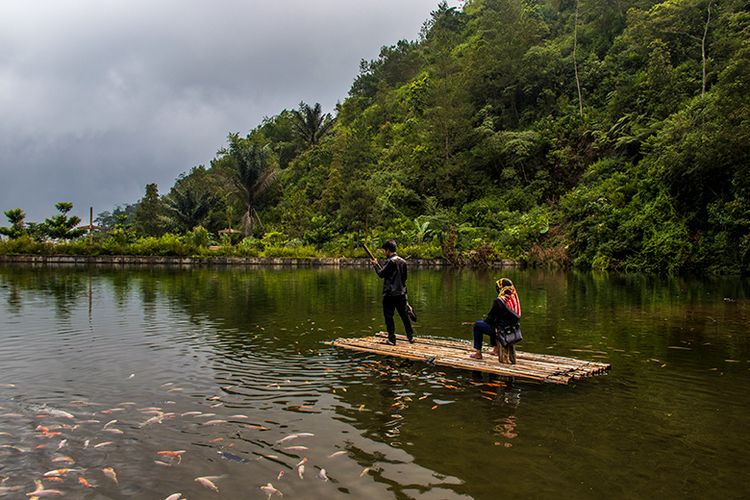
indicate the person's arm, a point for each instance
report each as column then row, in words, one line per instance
column 494, row 313
column 386, row 269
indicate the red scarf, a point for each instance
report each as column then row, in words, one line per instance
column 511, row 300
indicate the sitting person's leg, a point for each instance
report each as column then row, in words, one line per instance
column 480, row 330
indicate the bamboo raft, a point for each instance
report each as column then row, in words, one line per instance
column 455, row 354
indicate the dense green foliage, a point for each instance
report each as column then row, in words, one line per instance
column 604, row 134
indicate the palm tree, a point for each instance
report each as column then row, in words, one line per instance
column 17, row 219
column 187, row 207
column 253, row 172
column 310, row 124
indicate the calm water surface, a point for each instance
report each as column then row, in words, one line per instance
column 670, row 420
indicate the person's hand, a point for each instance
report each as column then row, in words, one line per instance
column 374, row 262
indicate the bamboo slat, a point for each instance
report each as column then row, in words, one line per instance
column 454, row 354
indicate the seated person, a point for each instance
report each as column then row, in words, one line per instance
column 505, row 312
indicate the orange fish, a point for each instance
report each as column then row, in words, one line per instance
column 84, row 482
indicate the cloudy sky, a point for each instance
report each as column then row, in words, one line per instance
column 100, row 97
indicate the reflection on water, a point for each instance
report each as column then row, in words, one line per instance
column 165, row 376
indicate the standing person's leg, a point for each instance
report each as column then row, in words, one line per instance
column 401, row 308
column 481, row 329
column 388, row 307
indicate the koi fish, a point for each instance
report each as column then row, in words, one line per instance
column 190, row 413
column 60, row 472
column 54, row 478
column 364, row 472
column 59, row 413
column 296, row 448
column 288, row 438
column 39, row 493
column 111, row 410
column 214, row 422
column 337, row 454
column 103, row 444
column 205, row 415
column 322, row 475
column 281, row 474
column 208, row 482
column 168, row 453
column 174, row 496
column 114, row 431
column 91, row 421
column 110, row 473
column 62, row 444
column 233, row 457
column 257, row 427
column 63, row 458
column 153, row 420
column 111, row 422
column 303, row 461
column 301, row 471
column 269, row 490
column 238, row 416
column 216, row 440
column 85, row 482
column 164, row 464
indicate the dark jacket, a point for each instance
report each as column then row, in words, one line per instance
column 500, row 316
column 394, row 275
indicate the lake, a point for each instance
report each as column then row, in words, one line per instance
column 227, row 368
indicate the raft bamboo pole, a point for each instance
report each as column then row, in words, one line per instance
column 541, row 370
column 545, row 358
column 498, row 369
column 538, row 367
column 447, row 358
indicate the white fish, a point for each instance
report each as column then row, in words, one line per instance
column 164, row 464
column 103, row 444
column 39, row 493
column 90, row 421
column 288, row 438
column 153, row 420
column 337, row 454
column 208, row 482
column 114, row 431
column 301, row 471
column 110, row 473
column 322, row 475
column 62, row 443
column 269, row 490
column 64, row 459
column 214, row 422
column 205, row 415
column 190, row 413
column 238, row 416
column 59, row 413
column 174, row 496
column 296, row 448
column 364, row 472
column 131, row 375
column 111, row 422
column 86, row 444
column 305, row 434
column 303, row 461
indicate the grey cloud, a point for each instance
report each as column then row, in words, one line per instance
column 100, row 97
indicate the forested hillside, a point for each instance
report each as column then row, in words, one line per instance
column 610, row 134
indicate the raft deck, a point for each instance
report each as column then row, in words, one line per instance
column 455, row 353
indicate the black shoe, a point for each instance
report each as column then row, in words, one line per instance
column 389, row 342
column 411, row 339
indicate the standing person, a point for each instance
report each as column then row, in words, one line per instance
column 504, row 315
column 393, row 274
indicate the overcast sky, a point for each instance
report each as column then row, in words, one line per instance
column 100, row 97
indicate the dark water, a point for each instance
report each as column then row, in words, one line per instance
column 670, row 421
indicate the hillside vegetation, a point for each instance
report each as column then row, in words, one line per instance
column 608, row 134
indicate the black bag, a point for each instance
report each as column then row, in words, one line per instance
column 410, row 311
column 509, row 335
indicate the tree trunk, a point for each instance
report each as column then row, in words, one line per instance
column 575, row 61
column 703, row 48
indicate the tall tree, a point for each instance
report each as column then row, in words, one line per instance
column 310, row 124
column 17, row 228
column 61, row 226
column 187, row 207
column 150, row 213
column 253, row 170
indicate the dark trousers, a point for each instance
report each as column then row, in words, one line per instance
column 482, row 328
column 396, row 303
